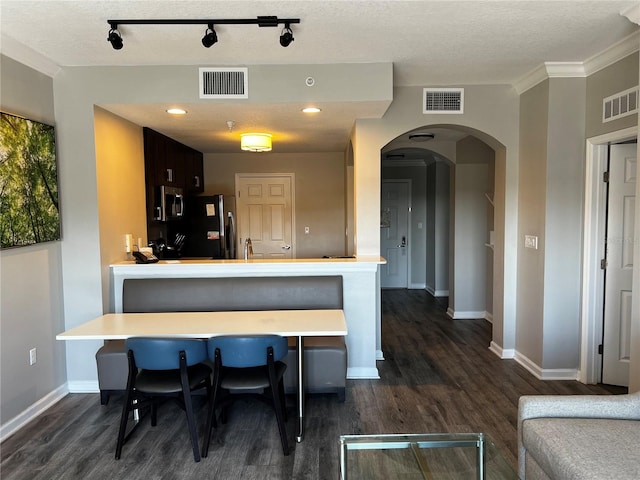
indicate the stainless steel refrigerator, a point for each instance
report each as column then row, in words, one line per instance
column 210, row 227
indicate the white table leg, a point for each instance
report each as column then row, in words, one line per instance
column 300, row 382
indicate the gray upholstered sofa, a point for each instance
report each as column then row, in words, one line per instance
column 579, row 437
column 325, row 360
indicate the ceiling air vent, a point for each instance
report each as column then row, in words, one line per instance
column 443, row 100
column 620, row 105
column 224, row 83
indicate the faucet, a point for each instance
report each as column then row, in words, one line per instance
column 248, row 249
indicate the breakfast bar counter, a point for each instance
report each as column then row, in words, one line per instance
column 361, row 292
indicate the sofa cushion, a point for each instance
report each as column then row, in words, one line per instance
column 581, row 448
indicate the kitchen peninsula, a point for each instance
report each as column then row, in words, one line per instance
column 361, row 292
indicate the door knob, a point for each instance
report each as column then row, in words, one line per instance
column 403, row 243
column 286, row 247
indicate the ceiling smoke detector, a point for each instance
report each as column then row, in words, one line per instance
column 421, row 136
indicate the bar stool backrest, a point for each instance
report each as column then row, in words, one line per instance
column 164, row 353
column 247, row 351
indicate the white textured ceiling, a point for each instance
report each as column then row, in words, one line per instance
column 429, row 43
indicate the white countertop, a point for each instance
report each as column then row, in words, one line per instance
column 361, row 259
column 256, row 266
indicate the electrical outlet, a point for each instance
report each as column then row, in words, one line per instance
column 33, row 356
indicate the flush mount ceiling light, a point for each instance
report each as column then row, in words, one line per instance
column 176, row 111
column 286, row 37
column 421, row 136
column 255, row 142
column 311, row 110
column 210, row 35
column 114, row 38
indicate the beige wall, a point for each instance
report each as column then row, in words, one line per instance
column 121, row 195
column 319, row 190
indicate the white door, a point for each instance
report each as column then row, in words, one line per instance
column 394, row 233
column 265, row 214
column 619, row 254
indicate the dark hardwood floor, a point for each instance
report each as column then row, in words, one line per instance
column 438, row 376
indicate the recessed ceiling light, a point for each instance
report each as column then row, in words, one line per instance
column 176, row 111
column 311, row 110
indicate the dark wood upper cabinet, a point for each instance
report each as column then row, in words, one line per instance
column 171, row 163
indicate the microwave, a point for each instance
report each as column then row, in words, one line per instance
column 169, row 204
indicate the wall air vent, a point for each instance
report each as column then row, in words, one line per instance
column 620, row 105
column 224, row 83
column 443, row 100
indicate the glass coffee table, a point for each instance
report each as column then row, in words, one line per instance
column 422, row 457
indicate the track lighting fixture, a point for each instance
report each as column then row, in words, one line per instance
column 210, row 35
column 286, row 37
column 115, row 39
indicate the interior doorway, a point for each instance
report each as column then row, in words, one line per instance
column 594, row 248
column 395, row 231
column 265, row 210
column 619, row 242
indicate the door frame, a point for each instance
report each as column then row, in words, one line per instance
column 595, row 204
column 292, row 179
column 409, row 222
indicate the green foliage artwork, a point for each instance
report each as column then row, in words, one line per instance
column 28, row 182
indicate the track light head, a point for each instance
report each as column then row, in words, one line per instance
column 114, row 38
column 210, row 36
column 286, row 37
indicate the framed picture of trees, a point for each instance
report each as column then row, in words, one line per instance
column 29, row 211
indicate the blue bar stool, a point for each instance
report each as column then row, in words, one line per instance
column 243, row 364
column 161, row 368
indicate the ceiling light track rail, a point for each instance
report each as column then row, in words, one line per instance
column 265, row 21
column 210, row 35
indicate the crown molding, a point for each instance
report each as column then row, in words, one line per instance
column 27, row 56
column 632, row 13
column 617, row 51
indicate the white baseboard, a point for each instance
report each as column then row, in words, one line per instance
column 416, row 286
column 488, row 316
column 546, row 373
column 362, row 373
column 86, row 386
column 437, row 293
column 465, row 315
column 503, row 353
column 379, row 355
column 32, row 412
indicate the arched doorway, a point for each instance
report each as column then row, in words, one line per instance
column 451, row 222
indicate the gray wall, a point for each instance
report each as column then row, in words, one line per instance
column 438, row 199
column 563, row 223
column 469, row 281
column 30, row 277
column 490, row 114
column 534, row 111
column 616, row 78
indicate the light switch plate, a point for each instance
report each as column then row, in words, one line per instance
column 531, row 241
